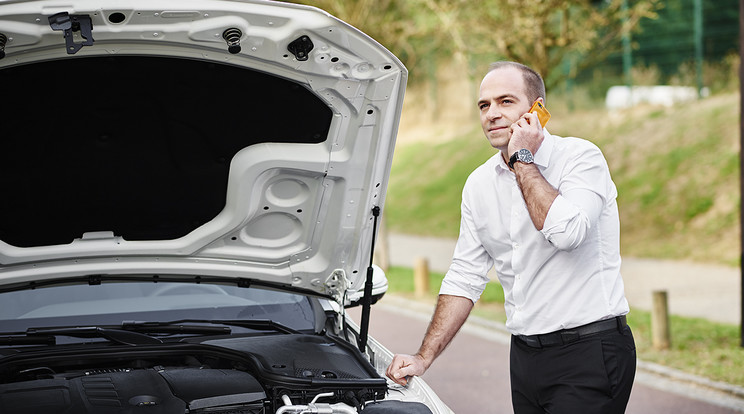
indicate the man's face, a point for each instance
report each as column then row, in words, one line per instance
column 502, row 101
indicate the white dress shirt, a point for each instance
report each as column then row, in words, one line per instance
column 564, row 276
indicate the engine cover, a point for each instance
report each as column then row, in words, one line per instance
column 159, row 390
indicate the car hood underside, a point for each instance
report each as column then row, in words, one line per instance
column 246, row 140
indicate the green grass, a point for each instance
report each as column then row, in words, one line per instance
column 426, row 182
column 698, row 346
column 676, row 170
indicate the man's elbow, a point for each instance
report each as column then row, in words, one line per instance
column 571, row 236
column 565, row 243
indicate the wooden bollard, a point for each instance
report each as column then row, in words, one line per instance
column 421, row 277
column 660, row 337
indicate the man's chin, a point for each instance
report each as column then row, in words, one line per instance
column 498, row 143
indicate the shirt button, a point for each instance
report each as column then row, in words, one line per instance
column 516, row 246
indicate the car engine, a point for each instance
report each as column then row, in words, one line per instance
column 250, row 375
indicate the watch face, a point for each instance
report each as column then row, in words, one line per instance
column 524, row 155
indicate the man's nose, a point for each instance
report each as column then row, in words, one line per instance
column 493, row 113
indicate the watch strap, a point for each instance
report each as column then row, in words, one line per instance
column 513, row 159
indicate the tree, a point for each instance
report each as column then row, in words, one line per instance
column 553, row 35
column 544, row 34
column 412, row 29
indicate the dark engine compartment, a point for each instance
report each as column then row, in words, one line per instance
column 247, row 375
column 156, row 390
column 149, row 160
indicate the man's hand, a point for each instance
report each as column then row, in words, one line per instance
column 405, row 366
column 449, row 315
column 525, row 133
column 537, row 192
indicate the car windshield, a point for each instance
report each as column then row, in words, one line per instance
column 114, row 303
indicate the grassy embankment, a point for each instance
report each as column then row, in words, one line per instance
column 676, row 170
column 677, row 173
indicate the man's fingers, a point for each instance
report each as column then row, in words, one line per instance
column 401, row 378
column 529, row 118
column 401, row 369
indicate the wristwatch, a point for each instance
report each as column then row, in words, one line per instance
column 524, row 155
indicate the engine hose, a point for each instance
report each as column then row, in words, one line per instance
column 315, row 408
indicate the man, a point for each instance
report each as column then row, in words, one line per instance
column 543, row 212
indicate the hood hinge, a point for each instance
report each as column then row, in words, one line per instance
column 336, row 284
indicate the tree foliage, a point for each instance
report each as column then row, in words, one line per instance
column 552, row 36
column 548, row 35
column 412, row 29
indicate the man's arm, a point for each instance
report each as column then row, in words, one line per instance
column 450, row 314
column 537, row 192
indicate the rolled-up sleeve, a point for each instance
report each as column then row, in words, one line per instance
column 571, row 217
column 583, row 194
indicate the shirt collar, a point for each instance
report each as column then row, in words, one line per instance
column 542, row 157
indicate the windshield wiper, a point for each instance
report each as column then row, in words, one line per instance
column 254, row 324
column 21, row 339
column 128, row 333
column 115, row 335
column 260, row 325
column 177, row 327
column 141, row 332
column 48, row 336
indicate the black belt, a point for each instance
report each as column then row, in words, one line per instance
column 566, row 336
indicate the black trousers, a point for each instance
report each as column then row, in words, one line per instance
column 593, row 375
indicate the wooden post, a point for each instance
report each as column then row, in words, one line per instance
column 421, row 277
column 660, row 338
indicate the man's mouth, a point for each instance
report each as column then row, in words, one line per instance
column 496, row 128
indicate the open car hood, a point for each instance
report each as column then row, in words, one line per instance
column 232, row 139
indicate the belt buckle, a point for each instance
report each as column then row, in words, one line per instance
column 570, row 336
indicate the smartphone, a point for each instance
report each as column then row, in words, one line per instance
column 542, row 113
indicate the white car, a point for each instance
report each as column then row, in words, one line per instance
column 190, row 195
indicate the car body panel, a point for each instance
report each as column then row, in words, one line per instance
column 294, row 208
column 191, row 192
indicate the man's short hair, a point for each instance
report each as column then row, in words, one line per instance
column 534, row 84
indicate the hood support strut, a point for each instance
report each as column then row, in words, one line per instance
column 367, row 298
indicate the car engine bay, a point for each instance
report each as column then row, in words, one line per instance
column 252, row 375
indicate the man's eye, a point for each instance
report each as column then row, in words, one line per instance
column 482, row 106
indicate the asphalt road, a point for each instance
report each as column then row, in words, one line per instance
column 471, row 376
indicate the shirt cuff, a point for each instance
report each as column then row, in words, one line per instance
column 458, row 286
column 566, row 225
column 559, row 214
